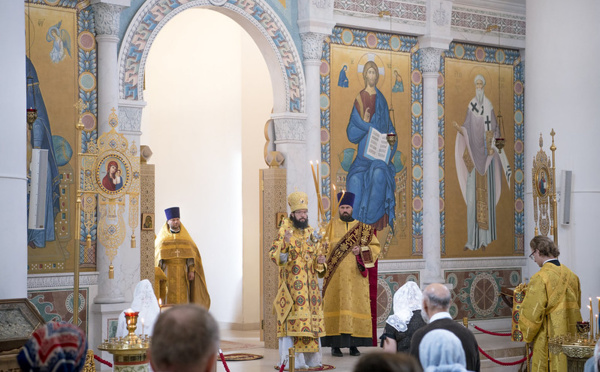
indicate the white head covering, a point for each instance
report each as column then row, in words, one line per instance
column 479, row 77
column 407, row 299
column 146, row 303
column 441, row 351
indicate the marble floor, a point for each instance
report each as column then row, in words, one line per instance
column 497, row 347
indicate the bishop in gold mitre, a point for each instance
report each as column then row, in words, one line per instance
column 177, row 256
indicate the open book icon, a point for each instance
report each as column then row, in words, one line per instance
column 377, row 146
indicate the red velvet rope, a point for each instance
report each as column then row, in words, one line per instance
column 102, row 361
column 223, row 360
column 503, row 363
column 492, row 333
column 282, row 366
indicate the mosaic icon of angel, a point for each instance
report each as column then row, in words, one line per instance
column 61, row 41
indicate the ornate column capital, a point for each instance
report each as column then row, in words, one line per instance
column 130, row 115
column 430, row 59
column 106, row 17
column 289, row 127
column 312, row 45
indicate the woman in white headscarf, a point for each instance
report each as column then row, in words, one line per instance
column 405, row 320
column 145, row 302
column 441, row 351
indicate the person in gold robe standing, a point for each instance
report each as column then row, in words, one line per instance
column 551, row 306
column 176, row 254
column 346, row 296
column 298, row 300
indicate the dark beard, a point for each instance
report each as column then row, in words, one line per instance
column 346, row 217
column 299, row 224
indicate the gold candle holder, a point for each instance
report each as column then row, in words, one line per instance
column 131, row 318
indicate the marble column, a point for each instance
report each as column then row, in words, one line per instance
column 106, row 17
column 312, row 47
column 315, row 22
column 290, row 140
column 430, row 65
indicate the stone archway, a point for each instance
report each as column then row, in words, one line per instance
column 255, row 16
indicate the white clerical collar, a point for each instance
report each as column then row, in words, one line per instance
column 440, row 315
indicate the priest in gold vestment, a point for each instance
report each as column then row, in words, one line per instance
column 298, row 300
column 346, row 296
column 177, row 255
column 551, row 306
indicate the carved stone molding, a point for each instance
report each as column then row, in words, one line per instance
column 106, row 18
column 430, row 59
column 59, row 280
column 323, row 4
column 487, row 262
column 312, row 45
column 394, row 266
column 289, row 127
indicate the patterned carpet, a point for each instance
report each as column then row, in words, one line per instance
column 241, row 357
column 325, row 367
column 230, row 345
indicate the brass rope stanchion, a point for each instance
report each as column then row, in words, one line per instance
column 292, row 359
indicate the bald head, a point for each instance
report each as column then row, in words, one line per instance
column 436, row 299
column 185, row 339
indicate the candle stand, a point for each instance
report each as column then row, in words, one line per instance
column 129, row 352
column 578, row 348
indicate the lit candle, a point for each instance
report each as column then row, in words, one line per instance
column 597, row 324
column 142, row 326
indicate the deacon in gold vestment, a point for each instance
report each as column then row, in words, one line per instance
column 177, row 255
column 346, row 297
column 551, row 306
column 298, row 300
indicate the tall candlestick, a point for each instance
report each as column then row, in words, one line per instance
column 319, row 204
column 319, row 175
column 591, row 322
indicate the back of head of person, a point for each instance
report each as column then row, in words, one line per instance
column 185, row 339
column 56, row 347
column 544, row 246
column 386, row 362
column 441, row 351
column 436, row 299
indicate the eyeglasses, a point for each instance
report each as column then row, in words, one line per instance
column 531, row 255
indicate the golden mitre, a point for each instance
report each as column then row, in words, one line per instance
column 298, row 200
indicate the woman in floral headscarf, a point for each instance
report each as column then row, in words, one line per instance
column 56, row 347
column 405, row 320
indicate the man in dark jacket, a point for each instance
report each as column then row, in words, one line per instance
column 436, row 303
